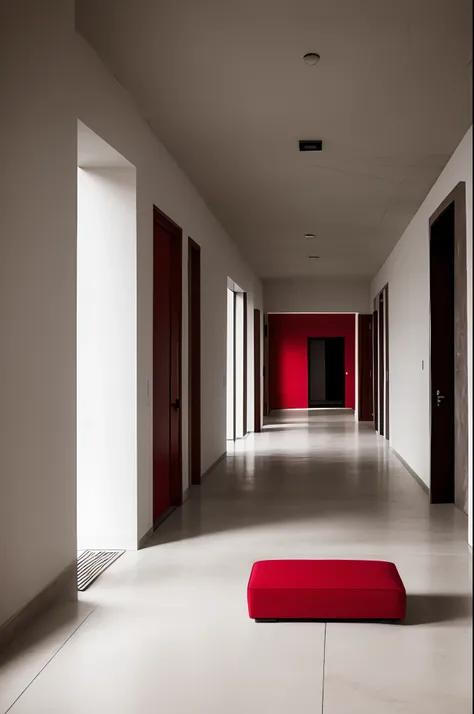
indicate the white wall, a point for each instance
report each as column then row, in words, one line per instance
column 37, row 299
column 49, row 78
column 407, row 273
column 317, row 295
column 109, row 111
column 106, row 359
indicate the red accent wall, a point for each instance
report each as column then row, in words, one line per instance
column 288, row 359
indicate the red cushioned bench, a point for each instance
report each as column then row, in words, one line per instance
column 325, row 590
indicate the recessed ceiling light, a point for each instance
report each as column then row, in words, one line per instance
column 309, row 235
column 314, row 257
column 311, row 58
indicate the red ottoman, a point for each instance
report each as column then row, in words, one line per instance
column 325, row 590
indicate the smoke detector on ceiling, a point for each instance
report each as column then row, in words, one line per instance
column 311, row 58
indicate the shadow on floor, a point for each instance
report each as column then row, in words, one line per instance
column 429, row 609
column 53, row 627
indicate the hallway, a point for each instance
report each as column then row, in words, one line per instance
column 166, row 628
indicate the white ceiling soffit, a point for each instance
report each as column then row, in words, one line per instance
column 224, row 86
column 95, row 153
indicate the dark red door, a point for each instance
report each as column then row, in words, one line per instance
column 194, row 361
column 381, row 366
column 266, row 370
column 167, row 486
column 257, row 370
column 387, row 374
column 365, row 368
column 375, row 352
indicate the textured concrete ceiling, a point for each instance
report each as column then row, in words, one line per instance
column 223, row 84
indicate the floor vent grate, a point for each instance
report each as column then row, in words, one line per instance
column 91, row 563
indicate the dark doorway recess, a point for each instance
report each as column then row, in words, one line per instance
column 365, row 368
column 167, row 275
column 257, row 370
column 448, row 299
column 326, row 372
column 245, row 363
column 381, row 365
column 375, row 353
column 266, row 369
column 194, row 361
column 387, row 367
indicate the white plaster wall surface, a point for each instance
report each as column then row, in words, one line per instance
column 317, row 295
column 106, row 360
column 407, row 273
column 105, row 107
column 37, row 299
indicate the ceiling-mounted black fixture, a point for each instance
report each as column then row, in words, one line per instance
column 311, row 145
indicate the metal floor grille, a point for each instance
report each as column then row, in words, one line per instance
column 91, row 563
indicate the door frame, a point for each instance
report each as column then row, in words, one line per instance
column 194, row 362
column 308, row 352
column 366, row 409
column 375, row 369
column 266, row 368
column 381, row 356
column 461, row 408
column 257, row 352
column 176, row 480
column 239, row 294
column 245, row 365
column 381, row 362
column 387, row 367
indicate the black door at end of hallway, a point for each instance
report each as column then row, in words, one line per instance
column 326, row 372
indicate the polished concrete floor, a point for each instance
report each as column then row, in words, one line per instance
column 166, row 629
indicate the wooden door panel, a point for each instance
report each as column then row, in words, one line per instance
column 161, row 370
column 194, row 361
column 375, row 351
column 365, row 368
column 381, row 366
column 442, row 358
column 257, row 370
column 167, row 480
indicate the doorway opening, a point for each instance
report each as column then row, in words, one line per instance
column 194, row 361
column 236, row 363
column 257, row 320
column 326, row 372
column 381, row 363
column 167, row 277
column 106, row 343
column 365, row 412
column 448, row 335
column 375, row 371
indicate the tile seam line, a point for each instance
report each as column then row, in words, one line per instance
column 324, row 667
column 49, row 661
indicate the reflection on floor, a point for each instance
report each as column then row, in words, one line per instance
column 167, row 628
